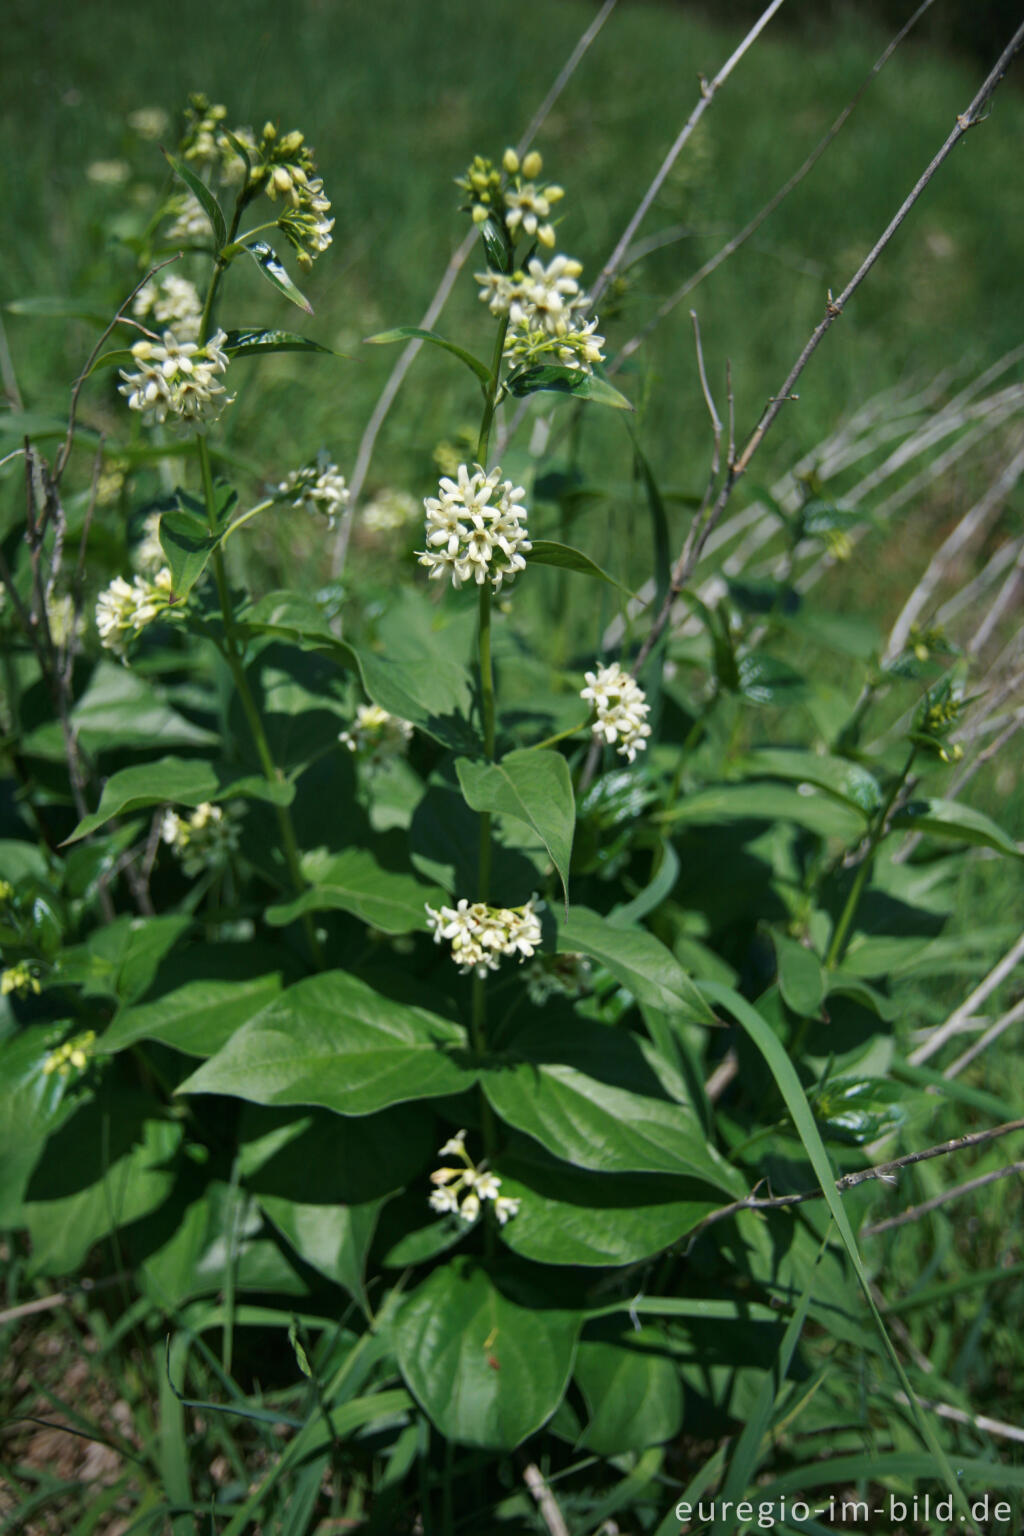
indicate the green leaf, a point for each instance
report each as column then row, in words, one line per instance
column 817, row 811
column 766, row 680
column 334, row 1239
column 849, row 781
column 254, row 341
column 265, row 258
column 957, row 823
column 570, row 1216
column 497, row 244
column 197, row 1018
column 353, row 881
column 632, row 1389
column 416, row 333
column 651, row 897
column 591, row 1096
column 120, row 357
column 121, row 959
column 172, row 781
column 32, row 1104
column 210, row 205
column 643, row 965
column 534, row 787
column 188, row 544
column 57, row 307
column 119, row 709
column 565, row 558
column 566, row 381
column 486, row 1370
column 334, row 1041
column 802, row 978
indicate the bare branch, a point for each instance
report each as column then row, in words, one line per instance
column 971, row 1004
column 1011, row 1017
column 915, row 1212
column 974, row 1420
column 406, row 357
column 545, row 1500
column 708, row 91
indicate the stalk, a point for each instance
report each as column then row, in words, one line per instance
column 875, row 836
column 232, row 653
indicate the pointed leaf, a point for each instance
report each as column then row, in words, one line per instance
column 566, row 381
column 172, row 781
column 638, row 960
column 252, row 341
column 565, row 558
column 416, row 333
column 197, row 1018
column 210, row 205
column 801, row 977
column 632, row 1389
column 534, row 787
column 266, row 259
column 841, row 777
column 487, row 1371
column 958, row 823
column 353, row 881
column 332, row 1040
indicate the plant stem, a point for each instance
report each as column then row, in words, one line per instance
column 491, row 395
column 233, row 655
column 875, row 836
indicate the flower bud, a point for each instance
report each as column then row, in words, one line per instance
column 532, row 165
column 510, row 160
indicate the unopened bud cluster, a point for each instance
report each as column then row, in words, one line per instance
column 73, row 1054
column 462, row 1190
column 204, row 840
column 177, row 381
column 376, row 736
column 317, row 488
column 620, row 707
column 476, row 529
column 19, row 980
column 124, row 610
column 513, row 195
column 479, row 935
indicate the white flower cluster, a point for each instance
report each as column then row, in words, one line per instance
column 172, row 301
column 462, row 1190
column 204, row 840
column 190, row 221
column 523, row 204
column 565, row 975
column 545, row 305
column 306, row 225
column 471, row 536
column 621, row 708
column 148, row 555
column 389, row 511
column 318, row 488
column 177, row 380
column 480, row 935
column 376, row 735
column 124, row 610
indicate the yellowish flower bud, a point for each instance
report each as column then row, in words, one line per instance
column 554, row 193
column 291, row 142
column 510, row 160
column 479, row 213
column 269, row 131
column 546, row 235
column 281, row 179
column 532, row 165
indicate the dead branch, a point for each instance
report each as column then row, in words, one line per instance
column 915, row 1212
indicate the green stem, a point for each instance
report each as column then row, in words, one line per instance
column 247, row 517
column 233, row 655
column 550, row 741
column 876, row 834
column 491, row 395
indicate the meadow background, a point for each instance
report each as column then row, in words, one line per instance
column 396, row 98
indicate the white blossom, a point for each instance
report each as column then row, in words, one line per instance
column 148, row 555
column 123, row 611
column 376, row 735
column 177, row 380
column 172, row 301
column 480, row 935
column 204, row 840
column 462, row 1191
column 621, row 709
column 317, row 488
column 388, row 511
column 476, row 529
column 505, row 1207
column 190, row 221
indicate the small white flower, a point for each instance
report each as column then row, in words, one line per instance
column 444, row 1200
column 190, row 221
column 621, row 708
column 123, row 611
column 480, row 934
column 148, row 555
column 317, row 488
column 476, row 529
column 454, row 1146
column 172, row 301
column 487, row 1186
column 470, row 1208
column 204, row 840
column 376, row 735
column 177, row 380
column 506, row 1206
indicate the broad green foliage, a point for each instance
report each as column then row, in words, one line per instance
column 442, row 972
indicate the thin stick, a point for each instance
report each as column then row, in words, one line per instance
column 969, row 1007
column 851, row 1180
column 701, row 528
column 716, row 424
column 915, row 1212
column 545, row 1500
column 708, row 91
column 732, row 245
column 999, row 606
column 405, row 360
column 974, row 1420
column 1011, row 1017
